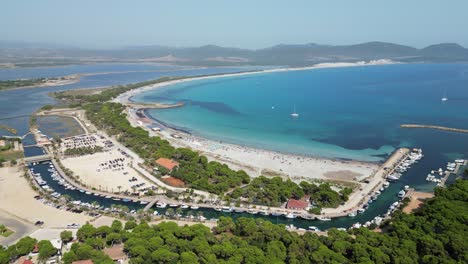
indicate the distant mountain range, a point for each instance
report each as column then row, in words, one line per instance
column 211, row 55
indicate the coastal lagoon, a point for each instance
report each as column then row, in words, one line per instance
column 18, row 102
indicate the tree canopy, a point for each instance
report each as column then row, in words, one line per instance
column 436, row 233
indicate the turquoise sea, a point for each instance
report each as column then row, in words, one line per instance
column 349, row 113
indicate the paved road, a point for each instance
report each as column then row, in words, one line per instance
column 21, row 228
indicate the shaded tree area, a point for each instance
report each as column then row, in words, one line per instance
column 276, row 191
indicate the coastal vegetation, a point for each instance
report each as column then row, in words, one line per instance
column 435, row 233
column 9, row 129
column 193, row 169
column 4, row 231
column 276, row 191
column 8, row 152
column 85, row 96
column 10, row 84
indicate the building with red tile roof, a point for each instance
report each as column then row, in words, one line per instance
column 167, row 163
column 297, row 204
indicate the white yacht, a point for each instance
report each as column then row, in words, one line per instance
column 295, row 114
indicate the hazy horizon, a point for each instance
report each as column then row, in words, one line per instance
column 241, row 24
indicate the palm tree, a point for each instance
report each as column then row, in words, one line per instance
column 119, row 187
column 199, row 215
column 170, row 212
column 179, row 211
column 3, row 229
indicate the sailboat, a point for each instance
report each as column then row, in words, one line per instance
column 294, row 114
column 444, row 98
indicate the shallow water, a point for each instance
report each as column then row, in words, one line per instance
column 351, row 113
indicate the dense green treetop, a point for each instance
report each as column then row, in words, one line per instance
column 436, row 233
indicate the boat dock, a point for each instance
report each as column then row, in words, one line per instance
column 458, row 130
column 358, row 199
column 448, row 173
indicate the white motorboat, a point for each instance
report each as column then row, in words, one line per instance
column 291, row 216
column 161, row 205
column 314, row 228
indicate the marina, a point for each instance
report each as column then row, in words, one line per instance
column 49, row 178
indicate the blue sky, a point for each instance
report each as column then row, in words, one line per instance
column 235, row 23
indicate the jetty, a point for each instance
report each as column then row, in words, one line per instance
column 451, row 129
column 152, row 105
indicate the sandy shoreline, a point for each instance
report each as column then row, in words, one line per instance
column 17, row 198
column 50, row 82
column 126, row 97
column 258, row 161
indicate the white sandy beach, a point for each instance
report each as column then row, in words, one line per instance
column 17, row 198
column 256, row 161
